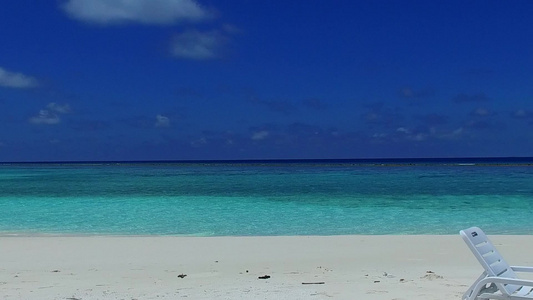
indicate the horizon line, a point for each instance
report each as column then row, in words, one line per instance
column 274, row 160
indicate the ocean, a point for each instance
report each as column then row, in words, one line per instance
column 267, row 198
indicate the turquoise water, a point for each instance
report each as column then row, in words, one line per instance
column 282, row 198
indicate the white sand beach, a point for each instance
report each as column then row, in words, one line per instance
column 333, row 267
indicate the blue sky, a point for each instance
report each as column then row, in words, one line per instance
column 249, row 79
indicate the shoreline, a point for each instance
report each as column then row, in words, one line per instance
column 300, row 267
column 178, row 236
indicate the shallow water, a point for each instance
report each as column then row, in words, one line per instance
column 267, row 198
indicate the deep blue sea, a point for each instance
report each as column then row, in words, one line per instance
column 264, row 198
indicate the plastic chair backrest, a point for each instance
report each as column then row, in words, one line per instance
column 489, row 257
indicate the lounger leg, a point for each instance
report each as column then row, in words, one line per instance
column 468, row 294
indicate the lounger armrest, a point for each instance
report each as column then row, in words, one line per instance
column 498, row 280
column 522, row 269
column 503, row 280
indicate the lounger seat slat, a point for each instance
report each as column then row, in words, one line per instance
column 524, row 291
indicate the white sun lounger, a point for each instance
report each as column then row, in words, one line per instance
column 499, row 280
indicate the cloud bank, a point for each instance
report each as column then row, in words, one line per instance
column 16, row 80
column 160, row 12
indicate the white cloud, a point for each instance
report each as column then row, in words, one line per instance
column 260, row 135
column 162, row 121
column 16, row 80
column 50, row 115
column 379, row 135
column 198, row 45
column 418, row 137
column 408, row 134
column 62, row 109
column 457, row 133
column 45, row 117
column 403, row 129
column 162, row 12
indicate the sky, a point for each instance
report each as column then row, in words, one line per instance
column 107, row 80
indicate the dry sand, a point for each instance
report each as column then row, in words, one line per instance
column 334, row 267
